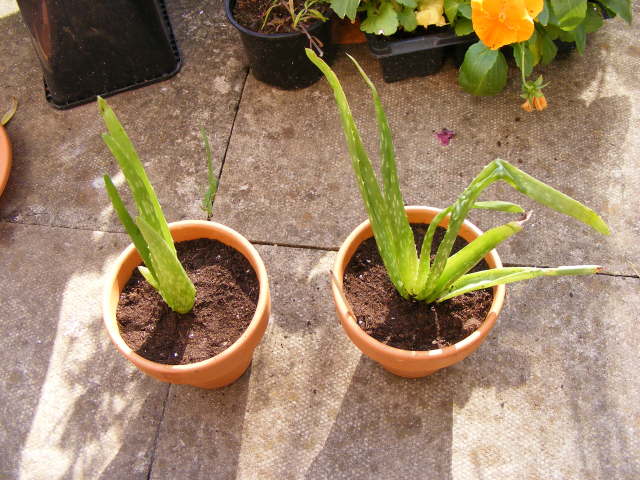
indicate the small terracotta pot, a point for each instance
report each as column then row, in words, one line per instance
column 406, row 363
column 227, row 366
column 5, row 158
column 346, row 32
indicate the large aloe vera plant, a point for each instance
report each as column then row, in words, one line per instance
column 149, row 232
column 445, row 276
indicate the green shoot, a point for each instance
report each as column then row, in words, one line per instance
column 212, row 178
column 150, row 231
column 446, row 275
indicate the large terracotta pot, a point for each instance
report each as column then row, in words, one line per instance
column 406, row 363
column 5, row 158
column 214, row 372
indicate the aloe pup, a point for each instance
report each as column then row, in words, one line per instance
column 149, row 232
column 445, row 276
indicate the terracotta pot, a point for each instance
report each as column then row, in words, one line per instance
column 346, row 32
column 5, row 158
column 215, row 372
column 406, row 363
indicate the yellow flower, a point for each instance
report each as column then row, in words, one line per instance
column 430, row 12
column 501, row 22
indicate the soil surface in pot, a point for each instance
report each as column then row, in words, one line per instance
column 227, row 291
column 251, row 14
column 410, row 325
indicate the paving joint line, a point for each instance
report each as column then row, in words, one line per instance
column 157, row 436
column 233, row 126
column 294, row 245
column 44, row 225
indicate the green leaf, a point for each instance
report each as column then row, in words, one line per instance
column 174, row 284
column 500, row 206
column 593, row 20
column 402, row 235
column 345, row 7
column 129, row 224
column 123, row 150
column 568, row 13
column 148, row 276
column 6, row 118
column 407, row 19
column 484, row 71
column 547, row 47
column 469, row 256
column 549, row 196
column 463, row 26
column 408, row 3
column 212, row 179
column 543, row 16
column 464, row 10
column 451, row 10
column 523, row 58
column 622, row 8
column 382, row 21
column 500, row 276
column 366, row 179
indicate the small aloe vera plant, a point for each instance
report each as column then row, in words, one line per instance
column 446, row 276
column 150, row 231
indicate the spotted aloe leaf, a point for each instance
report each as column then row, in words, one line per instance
column 150, row 232
column 173, row 283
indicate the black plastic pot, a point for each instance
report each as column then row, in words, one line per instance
column 99, row 47
column 409, row 55
column 278, row 59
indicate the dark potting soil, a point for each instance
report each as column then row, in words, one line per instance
column 250, row 14
column 407, row 324
column 227, row 291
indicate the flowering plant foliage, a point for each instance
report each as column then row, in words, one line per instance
column 532, row 28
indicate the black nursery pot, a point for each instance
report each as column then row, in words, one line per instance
column 407, row 55
column 99, row 47
column 279, row 59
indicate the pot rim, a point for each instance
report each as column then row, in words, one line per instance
column 262, row 306
column 5, row 158
column 245, row 30
column 342, row 261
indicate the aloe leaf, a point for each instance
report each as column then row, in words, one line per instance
column 366, row 179
column 174, row 285
column 469, row 256
column 552, row 198
column 424, row 265
column 148, row 276
column 500, row 206
column 500, row 276
column 212, row 179
column 123, row 150
column 399, row 222
column 129, row 224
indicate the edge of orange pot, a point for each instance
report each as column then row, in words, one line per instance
column 6, row 156
column 227, row 366
column 407, row 363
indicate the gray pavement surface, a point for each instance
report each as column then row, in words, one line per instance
column 553, row 393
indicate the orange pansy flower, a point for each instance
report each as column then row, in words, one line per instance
column 501, row 22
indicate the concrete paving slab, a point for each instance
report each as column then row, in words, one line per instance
column 59, row 158
column 71, row 406
column 288, row 162
column 549, row 395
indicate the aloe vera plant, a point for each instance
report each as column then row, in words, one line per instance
column 150, row 231
column 445, row 276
